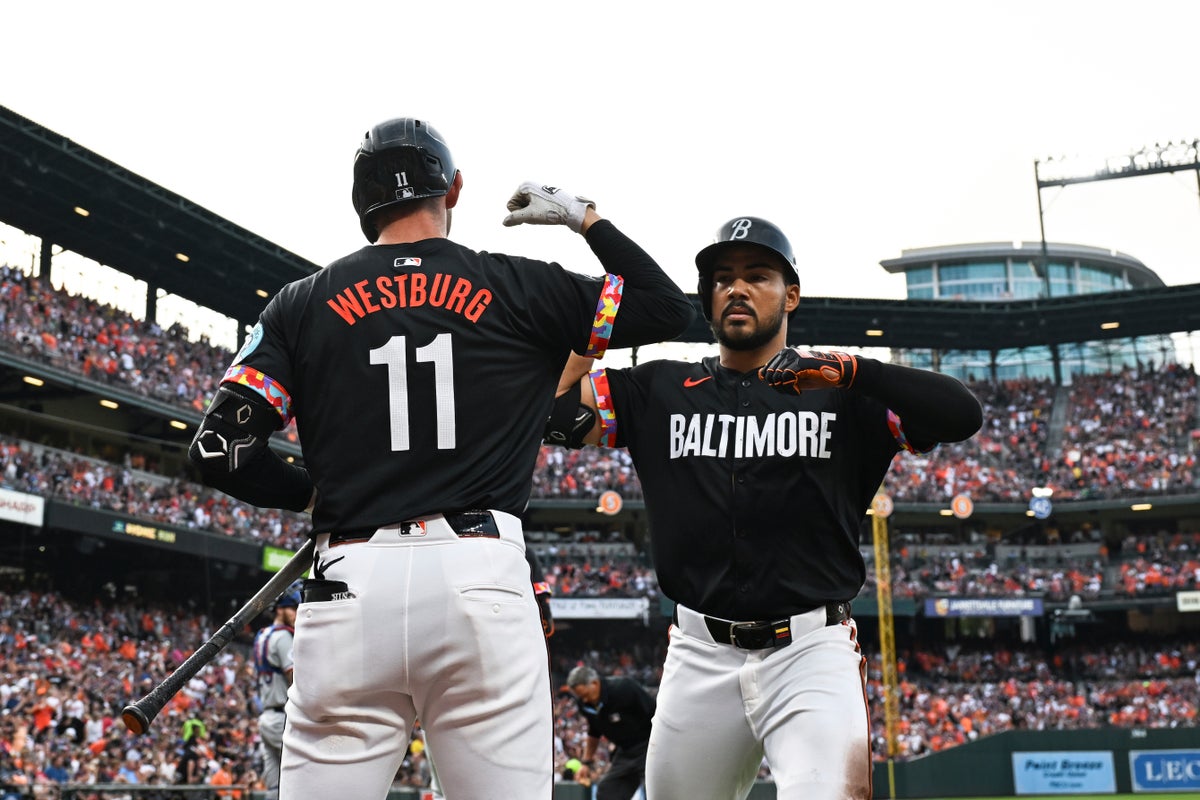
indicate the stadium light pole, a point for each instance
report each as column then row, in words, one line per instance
column 1065, row 171
column 1150, row 160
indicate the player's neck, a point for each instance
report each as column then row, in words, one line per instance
column 747, row 360
column 414, row 228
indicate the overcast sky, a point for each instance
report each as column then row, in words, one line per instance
column 862, row 128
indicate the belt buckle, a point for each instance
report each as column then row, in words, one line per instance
column 765, row 634
column 746, row 628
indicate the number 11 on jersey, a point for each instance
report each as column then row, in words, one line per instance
column 394, row 356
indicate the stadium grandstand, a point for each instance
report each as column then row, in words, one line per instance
column 1061, row 597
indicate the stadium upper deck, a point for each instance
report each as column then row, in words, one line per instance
column 139, row 227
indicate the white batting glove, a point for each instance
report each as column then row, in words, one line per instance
column 534, row 204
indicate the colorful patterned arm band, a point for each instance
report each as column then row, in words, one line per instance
column 271, row 390
column 542, row 587
column 604, row 408
column 897, row 429
column 606, row 312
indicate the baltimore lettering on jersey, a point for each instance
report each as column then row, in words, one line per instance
column 411, row 290
column 804, row 434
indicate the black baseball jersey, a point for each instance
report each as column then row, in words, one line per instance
column 755, row 497
column 420, row 375
column 622, row 714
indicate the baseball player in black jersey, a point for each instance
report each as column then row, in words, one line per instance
column 420, row 374
column 619, row 710
column 758, row 466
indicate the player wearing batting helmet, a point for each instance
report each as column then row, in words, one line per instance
column 758, row 466
column 273, row 671
column 421, row 373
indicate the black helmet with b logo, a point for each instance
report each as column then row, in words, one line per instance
column 743, row 230
column 400, row 160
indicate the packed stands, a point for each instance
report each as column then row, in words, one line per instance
column 1132, row 432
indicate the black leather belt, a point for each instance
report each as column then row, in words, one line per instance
column 465, row 524
column 274, row 708
column 767, row 633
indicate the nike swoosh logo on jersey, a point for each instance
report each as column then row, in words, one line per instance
column 690, row 382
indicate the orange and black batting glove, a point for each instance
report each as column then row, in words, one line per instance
column 793, row 370
column 542, row 592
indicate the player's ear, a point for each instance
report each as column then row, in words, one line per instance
column 455, row 189
column 793, row 298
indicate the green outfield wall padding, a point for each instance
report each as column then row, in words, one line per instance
column 984, row 768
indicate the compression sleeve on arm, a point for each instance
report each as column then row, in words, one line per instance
column 230, row 451
column 933, row 407
column 653, row 308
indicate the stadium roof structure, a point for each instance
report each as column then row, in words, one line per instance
column 1139, row 275
column 134, row 225
column 137, row 227
column 985, row 325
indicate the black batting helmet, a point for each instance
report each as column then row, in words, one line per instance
column 742, row 230
column 400, row 160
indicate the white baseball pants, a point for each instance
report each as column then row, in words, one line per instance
column 441, row 628
column 721, row 709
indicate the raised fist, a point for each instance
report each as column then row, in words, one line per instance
column 534, row 204
column 793, row 370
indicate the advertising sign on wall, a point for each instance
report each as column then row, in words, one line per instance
column 1164, row 770
column 1065, row 772
column 983, row 607
column 20, row 507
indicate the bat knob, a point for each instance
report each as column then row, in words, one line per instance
column 135, row 719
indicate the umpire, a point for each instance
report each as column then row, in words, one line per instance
column 620, row 710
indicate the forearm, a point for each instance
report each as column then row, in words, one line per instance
column 266, row 481
column 576, row 369
column 230, row 451
column 933, row 407
column 589, row 748
column 570, row 424
column 653, row 307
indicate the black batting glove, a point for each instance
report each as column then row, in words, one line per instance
column 793, row 370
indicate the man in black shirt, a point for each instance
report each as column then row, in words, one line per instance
column 420, row 374
column 758, row 466
column 619, row 710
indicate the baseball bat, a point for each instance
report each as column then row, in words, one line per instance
column 137, row 717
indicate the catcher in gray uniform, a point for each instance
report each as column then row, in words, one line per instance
column 273, row 669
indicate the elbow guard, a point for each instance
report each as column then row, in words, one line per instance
column 570, row 421
column 235, row 428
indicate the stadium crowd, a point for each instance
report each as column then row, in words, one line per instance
column 957, row 695
column 1139, row 565
column 68, row 667
column 1128, row 434
column 1142, row 566
column 1131, row 431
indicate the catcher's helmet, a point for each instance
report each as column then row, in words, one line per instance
column 742, row 230
column 291, row 595
column 399, row 160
